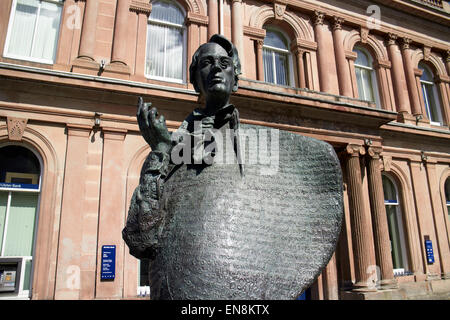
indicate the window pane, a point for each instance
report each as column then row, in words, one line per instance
column 426, row 73
column 174, row 52
column 362, row 59
column 3, row 204
column 394, row 236
column 275, row 39
column 19, row 165
column 268, row 66
column 47, row 31
column 360, row 83
column 434, row 114
column 165, row 11
column 390, row 194
column 20, row 228
column 155, row 50
column 21, row 37
column 27, row 276
column 281, row 66
column 367, row 81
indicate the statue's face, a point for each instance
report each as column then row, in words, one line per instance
column 215, row 72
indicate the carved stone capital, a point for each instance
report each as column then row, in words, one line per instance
column 374, row 152
column 337, row 23
column 406, row 42
column 16, row 128
column 391, row 39
column 355, row 150
column 259, row 43
column 447, row 58
column 319, row 17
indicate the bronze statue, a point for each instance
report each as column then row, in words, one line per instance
column 209, row 230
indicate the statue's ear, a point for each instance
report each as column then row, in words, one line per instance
column 235, row 86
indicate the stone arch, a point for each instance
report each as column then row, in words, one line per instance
column 353, row 37
column 194, row 6
column 266, row 13
column 433, row 61
column 45, row 249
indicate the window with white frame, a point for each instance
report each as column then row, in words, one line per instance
column 395, row 226
column 20, row 172
column 277, row 58
column 365, row 76
column 430, row 95
column 166, row 42
column 33, row 30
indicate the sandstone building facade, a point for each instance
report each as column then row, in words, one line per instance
column 372, row 78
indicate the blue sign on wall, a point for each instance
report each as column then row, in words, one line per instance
column 108, row 271
column 429, row 249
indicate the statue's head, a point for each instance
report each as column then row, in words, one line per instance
column 215, row 67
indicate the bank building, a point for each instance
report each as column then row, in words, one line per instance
column 371, row 78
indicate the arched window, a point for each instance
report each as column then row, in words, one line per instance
column 34, row 30
column 430, row 95
column 447, row 196
column 20, row 173
column 276, row 58
column 365, row 76
column 395, row 225
column 166, row 38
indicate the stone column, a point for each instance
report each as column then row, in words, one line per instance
column 362, row 239
column 330, row 280
column 398, row 76
column 300, row 67
column 321, row 51
column 379, row 220
column 119, row 49
column 345, row 84
column 236, row 27
column 259, row 60
column 88, row 32
column 213, row 15
column 410, row 79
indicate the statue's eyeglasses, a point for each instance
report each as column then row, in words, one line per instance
column 223, row 62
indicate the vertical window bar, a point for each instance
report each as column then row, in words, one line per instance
column 8, row 206
column 38, row 16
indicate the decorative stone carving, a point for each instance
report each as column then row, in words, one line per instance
column 406, row 42
column 391, row 39
column 337, row 23
column 364, row 32
column 319, row 17
column 387, row 161
column 279, row 9
column 16, row 128
column 426, row 53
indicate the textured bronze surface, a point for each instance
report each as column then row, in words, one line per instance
column 252, row 237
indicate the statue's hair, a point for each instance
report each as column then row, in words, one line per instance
column 229, row 48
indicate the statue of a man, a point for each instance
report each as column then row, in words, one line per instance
column 214, row 74
column 208, row 230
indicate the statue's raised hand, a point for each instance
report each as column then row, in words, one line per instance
column 153, row 129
